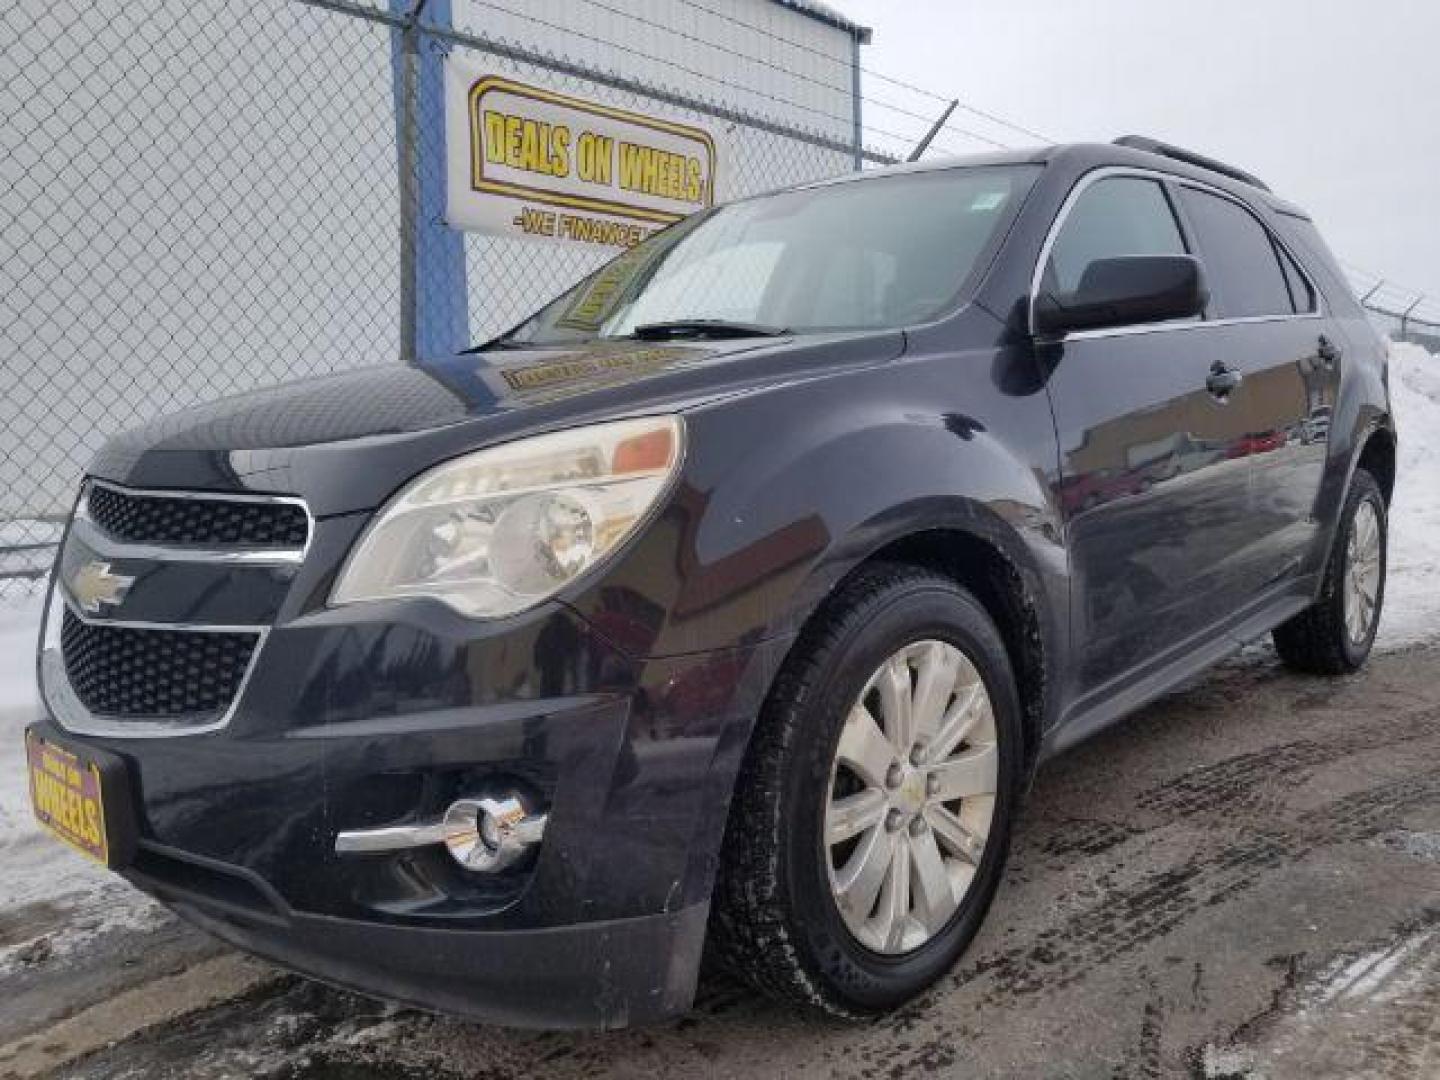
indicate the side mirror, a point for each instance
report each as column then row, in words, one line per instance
column 1126, row 290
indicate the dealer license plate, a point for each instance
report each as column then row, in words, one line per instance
column 67, row 791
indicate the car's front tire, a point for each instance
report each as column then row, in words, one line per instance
column 870, row 826
column 1335, row 634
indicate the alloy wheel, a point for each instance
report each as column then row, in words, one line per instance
column 1362, row 572
column 911, row 797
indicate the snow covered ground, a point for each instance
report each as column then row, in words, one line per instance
column 1412, row 590
column 39, row 871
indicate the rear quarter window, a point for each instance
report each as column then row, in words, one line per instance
column 1302, row 296
column 1242, row 266
column 1305, row 240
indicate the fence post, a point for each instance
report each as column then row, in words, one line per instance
column 434, row 314
column 1405, row 315
column 856, row 102
column 924, row 144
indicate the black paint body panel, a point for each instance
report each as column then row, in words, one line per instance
column 1151, row 527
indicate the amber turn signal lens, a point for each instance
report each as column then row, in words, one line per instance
column 651, row 452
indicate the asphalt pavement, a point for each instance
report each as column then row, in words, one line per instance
column 1243, row 880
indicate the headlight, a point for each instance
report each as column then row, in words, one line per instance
column 500, row 530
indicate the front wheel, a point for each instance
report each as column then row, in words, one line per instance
column 870, row 825
column 1335, row 634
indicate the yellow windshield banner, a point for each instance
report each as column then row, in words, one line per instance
column 527, row 161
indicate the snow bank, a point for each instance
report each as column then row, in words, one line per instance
column 1412, row 590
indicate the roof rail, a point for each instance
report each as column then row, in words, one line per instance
column 1155, row 146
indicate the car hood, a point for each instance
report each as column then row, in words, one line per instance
column 345, row 442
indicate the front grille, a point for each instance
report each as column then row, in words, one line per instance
column 136, row 518
column 140, row 672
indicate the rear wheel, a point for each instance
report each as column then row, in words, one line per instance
column 870, row 826
column 1335, row 634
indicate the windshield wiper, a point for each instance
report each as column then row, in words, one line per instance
column 704, row 328
column 505, row 341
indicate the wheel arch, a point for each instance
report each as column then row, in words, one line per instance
column 1377, row 457
column 998, row 581
column 988, row 560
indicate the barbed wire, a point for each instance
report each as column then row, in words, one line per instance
column 1383, row 295
column 687, row 70
column 879, row 76
column 869, row 128
column 752, row 59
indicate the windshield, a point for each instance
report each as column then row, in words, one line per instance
column 876, row 254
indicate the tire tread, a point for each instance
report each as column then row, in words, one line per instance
column 750, row 933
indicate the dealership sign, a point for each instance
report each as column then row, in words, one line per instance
column 527, row 161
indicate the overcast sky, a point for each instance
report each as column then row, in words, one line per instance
column 1334, row 103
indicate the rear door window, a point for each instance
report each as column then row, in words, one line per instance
column 1242, row 268
column 1115, row 216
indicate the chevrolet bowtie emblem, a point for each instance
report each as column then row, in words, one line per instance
column 93, row 586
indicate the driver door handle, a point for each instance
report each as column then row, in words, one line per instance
column 1222, row 380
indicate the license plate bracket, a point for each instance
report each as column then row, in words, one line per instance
column 82, row 795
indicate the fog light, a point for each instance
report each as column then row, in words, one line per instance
column 490, row 834
column 485, row 834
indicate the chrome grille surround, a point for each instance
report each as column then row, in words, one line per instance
column 79, row 706
column 167, row 520
column 98, row 537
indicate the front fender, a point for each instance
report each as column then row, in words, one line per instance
column 786, row 491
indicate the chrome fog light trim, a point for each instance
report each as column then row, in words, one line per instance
column 491, row 834
column 393, row 838
column 482, row 833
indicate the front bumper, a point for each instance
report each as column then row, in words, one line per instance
column 381, row 715
column 593, row 975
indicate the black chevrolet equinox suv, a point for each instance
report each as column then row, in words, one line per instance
column 728, row 603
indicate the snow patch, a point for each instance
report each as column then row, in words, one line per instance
column 1226, row 1063
column 1412, row 589
column 1380, row 995
column 19, row 635
column 39, row 871
column 1378, row 977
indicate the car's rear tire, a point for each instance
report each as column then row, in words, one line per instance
column 1335, row 634
column 826, row 800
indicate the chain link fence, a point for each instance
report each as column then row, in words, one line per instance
column 201, row 197
column 1398, row 311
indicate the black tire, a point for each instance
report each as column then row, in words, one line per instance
column 1316, row 641
column 775, row 922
